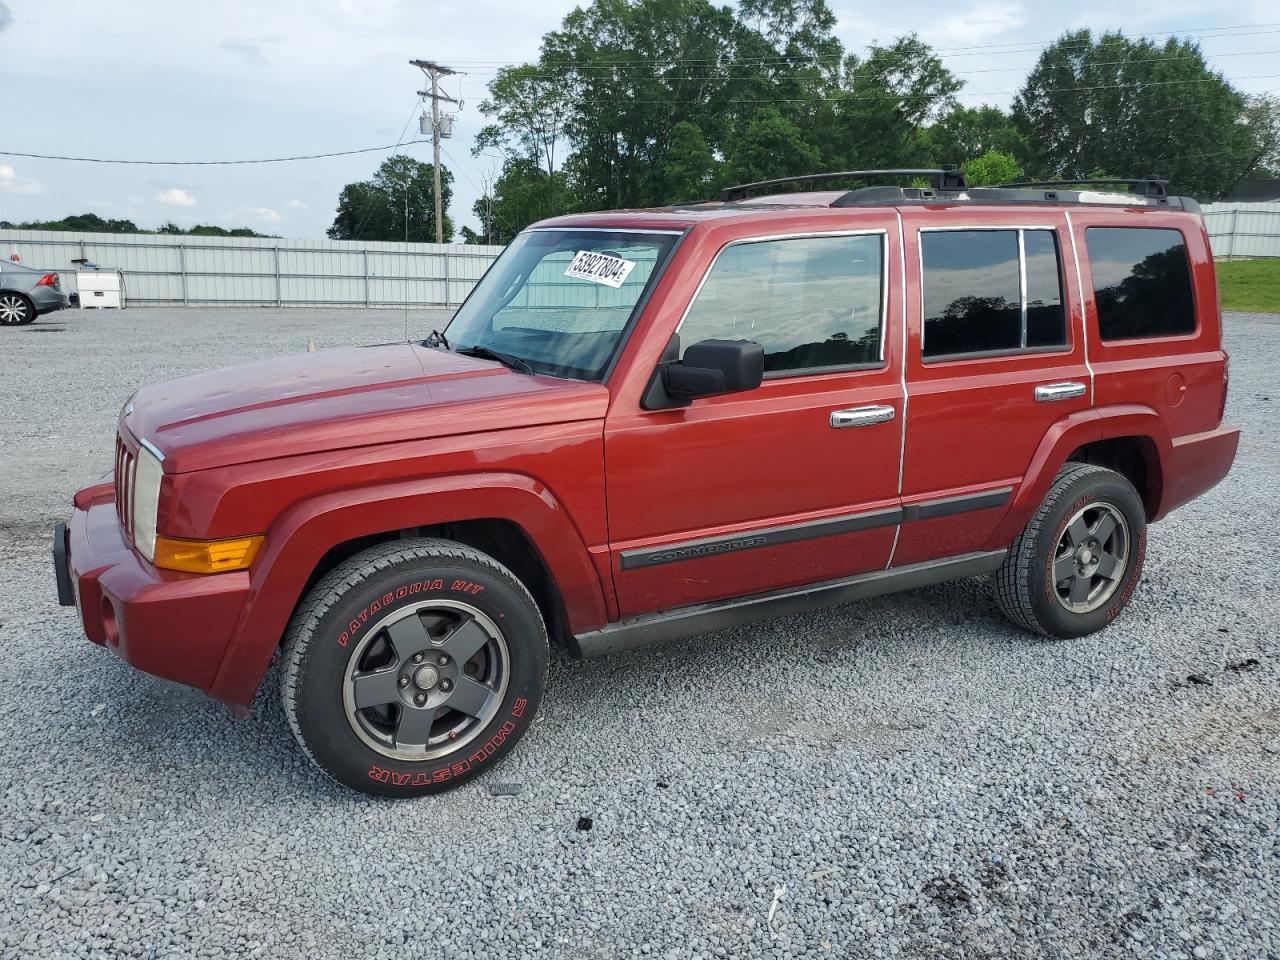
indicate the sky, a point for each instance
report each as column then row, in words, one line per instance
column 181, row 80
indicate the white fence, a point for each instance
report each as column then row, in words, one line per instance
column 1240, row 230
column 164, row 269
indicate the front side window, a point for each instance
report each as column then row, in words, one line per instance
column 1141, row 282
column 991, row 291
column 810, row 302
column 561, row 300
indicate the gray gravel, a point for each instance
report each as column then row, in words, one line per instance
column 906, row 777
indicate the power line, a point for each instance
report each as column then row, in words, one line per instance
column 209, row 163
column 1250, row 29
column 368, row 206
column 728, row 77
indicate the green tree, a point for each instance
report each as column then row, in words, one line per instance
column 530, row 106
column 1137, row 108
column 888, row 100
column 522, row 195
column 398, row 203
column 967, row 132
column 770, row 146
column 991, row 169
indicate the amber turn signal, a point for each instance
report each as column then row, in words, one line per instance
column 206, row 556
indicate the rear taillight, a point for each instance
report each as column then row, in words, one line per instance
column 48, row 280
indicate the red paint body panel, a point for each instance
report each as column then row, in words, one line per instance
column 319, row 449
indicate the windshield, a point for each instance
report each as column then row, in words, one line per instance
column 560, row 300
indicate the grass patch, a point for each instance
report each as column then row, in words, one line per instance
column 1250, row 286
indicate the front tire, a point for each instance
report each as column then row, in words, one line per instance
column 413, row 667
column 1076, row 564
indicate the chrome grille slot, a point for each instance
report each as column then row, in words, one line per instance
column 126, row 465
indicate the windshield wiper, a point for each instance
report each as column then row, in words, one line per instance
column 436, row 339
column 506, row 359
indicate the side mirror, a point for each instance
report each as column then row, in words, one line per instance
column 709, row 367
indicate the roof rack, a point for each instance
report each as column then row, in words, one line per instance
column 1143, row 186
column 949, row 177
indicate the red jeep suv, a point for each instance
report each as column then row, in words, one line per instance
column 648, row 424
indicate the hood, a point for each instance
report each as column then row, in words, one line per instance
column 336, row 399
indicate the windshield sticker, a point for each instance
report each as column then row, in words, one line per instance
column 600, row 268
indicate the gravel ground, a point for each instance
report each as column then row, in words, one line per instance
column 907, row 777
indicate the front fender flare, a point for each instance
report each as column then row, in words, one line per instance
column 301, row 536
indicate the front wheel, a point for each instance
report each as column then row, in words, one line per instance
column 412, row 667
column 1075, row 566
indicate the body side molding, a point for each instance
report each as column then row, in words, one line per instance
column 792, row 532
column 652, row 628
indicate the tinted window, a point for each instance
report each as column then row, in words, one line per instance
column 810, row 301
column 1141, row 282
column 972, row 300
column 1046, row 319
column 974, row 297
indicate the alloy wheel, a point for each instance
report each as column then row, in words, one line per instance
column 426, row 679
column 1091, row 557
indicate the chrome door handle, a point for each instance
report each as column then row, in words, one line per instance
column 861, row 416
column 1059, row 391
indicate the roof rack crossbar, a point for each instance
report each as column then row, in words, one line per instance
column 947, row 178
column 1143, row 186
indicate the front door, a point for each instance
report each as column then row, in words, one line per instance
column 793, row 482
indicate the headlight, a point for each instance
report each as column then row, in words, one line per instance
column 146, row 499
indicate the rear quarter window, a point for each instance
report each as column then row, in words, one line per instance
column 1141, row 282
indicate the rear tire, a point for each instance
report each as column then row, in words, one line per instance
column 413, row 667
column 16, row 310
column 1076, row 564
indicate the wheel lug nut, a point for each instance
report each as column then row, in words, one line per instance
column 417, row 658
column 404, row 681
column 420, row 699
column 446, row 685
column 444, row 659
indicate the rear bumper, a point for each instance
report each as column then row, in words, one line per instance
column 47, row 299
column 172, row 625
column 1198, row 462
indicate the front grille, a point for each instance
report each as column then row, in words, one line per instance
column 126, row 467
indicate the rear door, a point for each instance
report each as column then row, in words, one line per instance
column 791, row 483
column 996, row 355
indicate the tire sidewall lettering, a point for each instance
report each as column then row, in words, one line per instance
column 366, row 616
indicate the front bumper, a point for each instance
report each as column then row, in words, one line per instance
column 172, row 625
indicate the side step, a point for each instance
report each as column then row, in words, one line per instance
column 649, row 628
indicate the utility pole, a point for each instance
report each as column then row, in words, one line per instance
column 435, row 71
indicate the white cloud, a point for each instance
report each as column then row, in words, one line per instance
column 297, row 205
column 175, row 197
column 267, row 215
column 10, row 182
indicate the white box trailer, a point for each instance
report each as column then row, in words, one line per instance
column 100, row 289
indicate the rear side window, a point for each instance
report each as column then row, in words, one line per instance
column 810, row 302
column 1141, row 282
column 991, row 291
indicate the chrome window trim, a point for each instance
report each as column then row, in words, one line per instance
column 1084, row 317
column 882, row 232
column 902, row 366
column 1022, row 292
column 1022, row 285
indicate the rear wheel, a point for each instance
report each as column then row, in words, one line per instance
column 1075, row 566
column 15, row 310
column 413, row 666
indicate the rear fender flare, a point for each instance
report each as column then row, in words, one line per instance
column 1061, row 440
column 299, row 539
